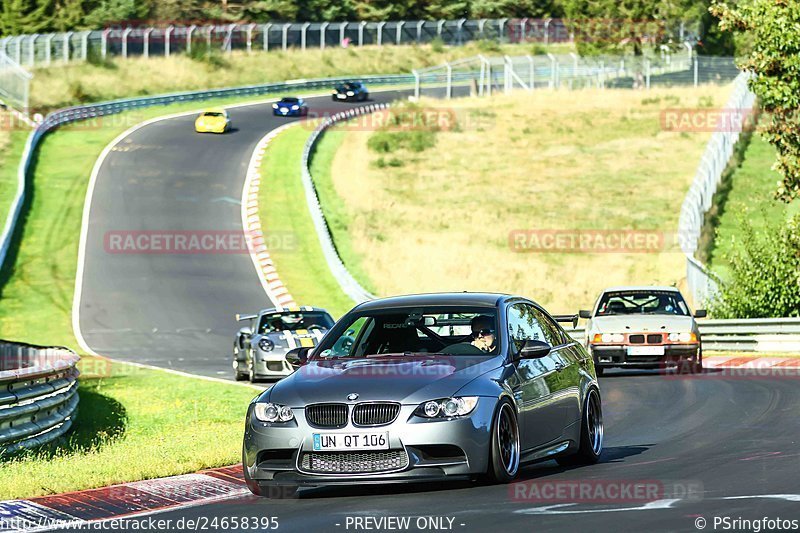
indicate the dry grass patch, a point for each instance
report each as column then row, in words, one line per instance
column 583, row 160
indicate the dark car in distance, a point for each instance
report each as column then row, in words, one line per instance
column 351, row 90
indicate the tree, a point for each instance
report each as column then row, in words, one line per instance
column 772, row 28
column 612, row 26
column 765, row 273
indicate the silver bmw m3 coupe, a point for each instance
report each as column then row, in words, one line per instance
column 426, row 387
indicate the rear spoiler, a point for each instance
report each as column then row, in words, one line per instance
column 240, row 318
column 573, row 319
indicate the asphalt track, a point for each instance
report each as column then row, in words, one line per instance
column 175, row 310
column 702, row 446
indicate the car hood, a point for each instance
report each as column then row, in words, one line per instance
column 641, row 323
column 404, row 379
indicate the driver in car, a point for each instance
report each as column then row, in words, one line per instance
column 483, row 334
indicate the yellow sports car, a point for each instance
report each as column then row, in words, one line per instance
column 214, row 120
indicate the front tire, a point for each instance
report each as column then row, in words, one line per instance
column 504, row 454
column 591, row 445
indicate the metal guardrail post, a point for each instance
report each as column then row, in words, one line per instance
column 65, row 47
column 146, row 42
column 125, row 33
column 399, row 30
column 303, row 30
column 361, row 32
column 104, row 42
column 48, row 45
column 85, row 45
column 189, row 33
column 285, row 36
column 419, row 30
column 267, row 27
column 167, row 37
column 380, row 33
column 322, row 29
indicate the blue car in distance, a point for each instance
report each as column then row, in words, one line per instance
column 290, row 106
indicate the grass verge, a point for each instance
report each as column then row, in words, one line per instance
column 282, row 210
column 58, row 86
column 439, row 214
column 749, row 193
column 133, row 423
column 12, row 144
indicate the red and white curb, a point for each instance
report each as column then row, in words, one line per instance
column 746, row 362
column 46, row 513
column 273, row 286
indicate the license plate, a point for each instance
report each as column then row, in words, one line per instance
column 351, row 441
column 341, row 96
column 645, row 350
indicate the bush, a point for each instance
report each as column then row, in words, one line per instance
column 437, row 45
column 765, row 273
column 408, row 127
column 487, row 45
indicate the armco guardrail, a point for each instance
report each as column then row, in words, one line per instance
column 699, row 198
column 745, row 335
column 72, row 114
column 346, row 281
column 38, row 394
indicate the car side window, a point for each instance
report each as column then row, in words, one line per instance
column 552, row 333
column 523, row 325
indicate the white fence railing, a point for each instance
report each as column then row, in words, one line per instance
column 15, row 83
column 485, row 75
column 136, row 39
column 701, row 192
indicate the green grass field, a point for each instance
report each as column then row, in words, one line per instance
column 421, row 219
column 151, row 423
column 134, row 424
column 283, row 212
column 749, row 194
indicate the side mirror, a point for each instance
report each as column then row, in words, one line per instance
column 534, row 350
column 297, row 357
column 700, row 313
column 585, row 313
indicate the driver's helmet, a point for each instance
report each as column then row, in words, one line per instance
column 292, row 319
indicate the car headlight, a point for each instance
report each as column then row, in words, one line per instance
column 295, row 107
column 608, row 337
column 350, row 93
column 447, row 407
column 266, row 345
column 274, row 106
column 682, row 337
column 271, row 412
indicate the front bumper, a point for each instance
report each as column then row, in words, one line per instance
column 288, row 113
column 609, row 356
column 430, row 450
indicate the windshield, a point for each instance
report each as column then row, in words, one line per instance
column 212, row 114
column 289, row 101
column 639, row 302
column 431, row 330
column 293, row 321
